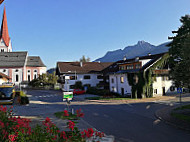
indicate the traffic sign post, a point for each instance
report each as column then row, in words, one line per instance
column 68, row 96
column 179, row 90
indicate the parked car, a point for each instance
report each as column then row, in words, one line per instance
column 7, row 93
column 78, row 91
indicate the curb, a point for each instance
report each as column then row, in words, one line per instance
column 156, row 114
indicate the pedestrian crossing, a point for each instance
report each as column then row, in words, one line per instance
column 46, row 96
column 168, row 103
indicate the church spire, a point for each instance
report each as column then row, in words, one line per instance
column 4, row 29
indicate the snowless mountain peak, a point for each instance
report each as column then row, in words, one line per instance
column 142, row 48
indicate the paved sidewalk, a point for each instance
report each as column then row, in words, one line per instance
column 165, row 115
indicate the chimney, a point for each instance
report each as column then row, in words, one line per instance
column 124, row 58
column 137, row 59
column 80, row 64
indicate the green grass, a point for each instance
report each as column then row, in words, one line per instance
column 183, row 107
column 181, row 116
column 70, row 117
column 102, row 98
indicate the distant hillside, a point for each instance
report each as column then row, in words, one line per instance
column 142, row 48
column 51, row 71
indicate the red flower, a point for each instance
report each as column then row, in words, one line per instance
column 12, row 138
column 63, row 135
column 47, row 120
column 66, row 113
column 2, row 125
column 71, row 125
column 79, row 113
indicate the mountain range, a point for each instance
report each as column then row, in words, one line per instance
column 142, row 48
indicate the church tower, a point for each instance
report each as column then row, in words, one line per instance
column 5, row 41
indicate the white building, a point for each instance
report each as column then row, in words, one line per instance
column 132, row 79
column 89, row 73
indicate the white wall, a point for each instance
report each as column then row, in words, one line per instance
column 5, row 71
column 144, row 61
column 93, row 81
column 117, row 85
column 3, row 46
column 160, row 83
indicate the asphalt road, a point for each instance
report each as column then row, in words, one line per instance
column 127, row 122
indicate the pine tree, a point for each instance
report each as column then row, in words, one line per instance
column 180, row 54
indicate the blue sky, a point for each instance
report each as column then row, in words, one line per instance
column 64, row 30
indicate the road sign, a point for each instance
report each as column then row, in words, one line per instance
column 179, row 90
column 67, row 95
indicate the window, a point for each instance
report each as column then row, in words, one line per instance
column 121, row 67
column 113, row 89
column 87, row 77
column 29, row 78
column 73, row 77
column 35, row 70
column 122, row 79
column 100, row 77
column 172, row 88
column 35, row 76
column 112, row 80
column 72, row 86
column 155, row 91
column 2, row 50
column 17, row 77
column 28, row 70
column 4, row 70
column 129, row 67
column 137, row 66
column 165, row 78
column 16, row 70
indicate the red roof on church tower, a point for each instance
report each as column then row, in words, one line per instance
column 4, row 30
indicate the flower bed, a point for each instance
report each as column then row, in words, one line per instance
column 18, row 129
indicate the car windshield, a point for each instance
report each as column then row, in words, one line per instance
column 6, row 91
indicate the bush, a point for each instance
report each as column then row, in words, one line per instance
column 95, row 91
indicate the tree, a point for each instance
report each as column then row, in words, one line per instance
column 84, row 59
column 44, row 79
column 180, row 54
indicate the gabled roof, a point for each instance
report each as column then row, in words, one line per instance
column 12, row 59
column 140, row 58
column 5, row 76
column 4, row 30
column 34, row 61
column 87, row 67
